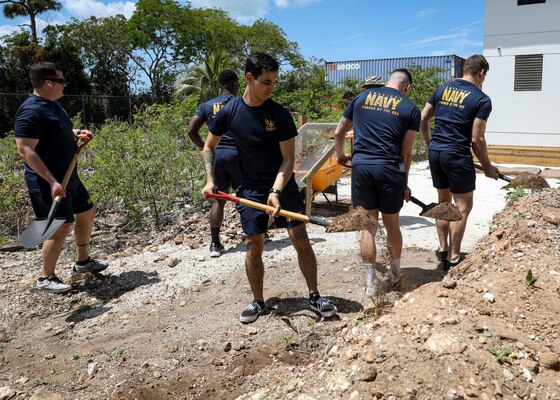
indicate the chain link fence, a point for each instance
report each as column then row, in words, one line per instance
column 93, row 109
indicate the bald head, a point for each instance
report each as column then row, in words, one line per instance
column 400, row 79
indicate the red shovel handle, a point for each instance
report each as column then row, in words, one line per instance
column 265, row 207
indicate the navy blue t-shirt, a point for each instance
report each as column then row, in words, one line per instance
column 208, row 110
column 39, row 118
column 257, row 132
column 381, row 117
column 457, row 104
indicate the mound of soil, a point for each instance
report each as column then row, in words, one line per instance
column 530, row 181
column 445, row 211
column 354, row 220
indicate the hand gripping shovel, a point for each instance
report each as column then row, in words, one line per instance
column 42, row 229
column 501, row 176
column 266, row 207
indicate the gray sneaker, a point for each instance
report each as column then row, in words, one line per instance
column 323, row 306
column 251, row 312
column 92, row 266
column 52, row 284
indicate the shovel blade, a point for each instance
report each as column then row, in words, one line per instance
column 39, row 231
column 428, row 208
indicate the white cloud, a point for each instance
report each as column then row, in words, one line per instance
column 87, row 8
column 281, row 3
column 7, row 29
column 423, row 13
column 244, row 11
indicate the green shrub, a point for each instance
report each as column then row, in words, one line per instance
column 15, row 209
column 147, row 167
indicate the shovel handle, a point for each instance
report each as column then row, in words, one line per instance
column 265, row 207
column 501, row 176
column 418, row 202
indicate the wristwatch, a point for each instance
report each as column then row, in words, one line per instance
column 275, row 191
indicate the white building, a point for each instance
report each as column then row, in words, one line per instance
column 522, row 45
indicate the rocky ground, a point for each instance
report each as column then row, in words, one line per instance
column 163, row 322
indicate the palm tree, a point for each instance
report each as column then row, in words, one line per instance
column 30, row 8
column 203, row 78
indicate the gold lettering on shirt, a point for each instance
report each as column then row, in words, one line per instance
column 269, row 125
column 453, row 97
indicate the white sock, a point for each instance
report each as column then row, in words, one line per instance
column 371, row 277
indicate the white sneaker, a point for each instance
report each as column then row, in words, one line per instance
column 52, row 284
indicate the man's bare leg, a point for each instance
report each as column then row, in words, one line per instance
column 52, row 248
column 368, row 250
column 442, row 227
column 82, row 233
column 306, row 256
column 254, row 266
column 465, row 203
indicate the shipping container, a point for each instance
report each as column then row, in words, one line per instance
column 336, row 71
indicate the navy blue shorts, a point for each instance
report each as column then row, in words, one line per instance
column 453, row 171
column 255, row 221
column 379, row 186
column 226, row 171
column 76, row 201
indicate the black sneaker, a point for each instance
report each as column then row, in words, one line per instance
column 442, row 258
column 252, row 312
column 91, row 266
column 267, row 238
column 455, row 263
column 52, row 284
column 216, row 250
column 323, row 306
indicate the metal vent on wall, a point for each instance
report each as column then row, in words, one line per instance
column 528, row 72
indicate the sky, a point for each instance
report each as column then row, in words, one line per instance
column 333, row 30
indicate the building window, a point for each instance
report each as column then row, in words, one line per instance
column 527, row 2
column 528, row 72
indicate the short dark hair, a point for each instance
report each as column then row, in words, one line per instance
column 258, row 63
column 227, row 78
column 474, row 64
column 348, row 95
column 406, row 72
column 42, row 71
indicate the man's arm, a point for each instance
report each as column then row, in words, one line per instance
column 480, row 150
column 288, row 150
column 26, row 150
column 209, row 156
column 406, row 155
column 195, row 124
column 340, row 140
column 427, row 114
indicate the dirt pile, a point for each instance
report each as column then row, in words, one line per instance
column 445, row 211
column 530, row 181
column 486, row 331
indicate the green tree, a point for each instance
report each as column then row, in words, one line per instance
column 29, row 8
column 203, row 78
column 159, row 32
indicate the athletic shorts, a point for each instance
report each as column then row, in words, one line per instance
column 226, row 170
column 76, row 201
column 255, row 221
column 379, row 186
column 453, row 171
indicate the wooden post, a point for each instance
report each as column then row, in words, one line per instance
column 301, row 120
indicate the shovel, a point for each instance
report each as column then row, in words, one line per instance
column 501, row 176
column 42, row 229
column 266, row 207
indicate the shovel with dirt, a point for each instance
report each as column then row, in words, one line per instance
column 354, row 220
column 444, row 211
column 42, row 229
column 525, row 179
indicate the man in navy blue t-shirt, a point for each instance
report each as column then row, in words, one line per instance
column 47, row 142
column 227, row 173
column 264, row 134
column 461, row 110
column 385, row 125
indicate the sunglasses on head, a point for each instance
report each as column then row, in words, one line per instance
column 59, row 80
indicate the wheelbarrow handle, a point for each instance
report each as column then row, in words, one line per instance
column 501, row 176
column 418, row 202
column 265, row 207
